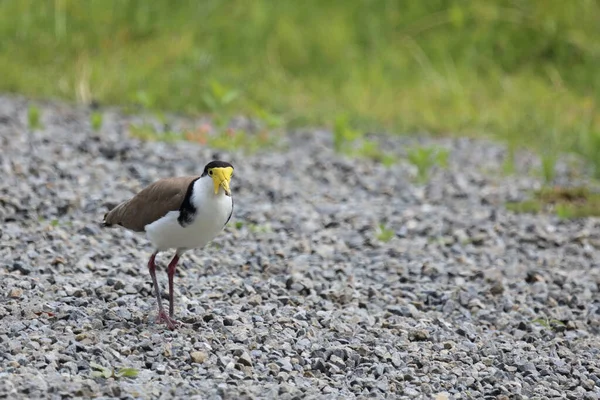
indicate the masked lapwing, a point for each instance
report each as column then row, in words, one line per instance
column 180, row 213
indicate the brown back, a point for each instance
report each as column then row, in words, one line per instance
column 150, row 204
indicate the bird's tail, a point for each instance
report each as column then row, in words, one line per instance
column 105, row 224
column 107, row 221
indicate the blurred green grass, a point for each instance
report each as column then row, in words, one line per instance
column 517, row 70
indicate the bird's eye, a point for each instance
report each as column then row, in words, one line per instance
column 210, row 172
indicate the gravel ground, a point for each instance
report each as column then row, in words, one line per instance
column 298, row 298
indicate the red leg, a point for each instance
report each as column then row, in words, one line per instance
column 162, row 315
column 152, row 269
column 171, row 273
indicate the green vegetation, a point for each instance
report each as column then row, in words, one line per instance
column 384, row 234
column 96, row 120
column 262, row 228
column 220, row 139
column 548, row 165
column 552, row 324
column 425, row 158
column 239, row 139
column 526, row 206
column 252, row 227
column 147, row 131
column 575, row 202
column 344, row 136
column 521, row 71
column 98, row 371
column 350, row 141
column 218, row 97
column 370, row 149
column 33, row 118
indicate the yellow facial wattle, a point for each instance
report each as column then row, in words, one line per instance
column 221, row 177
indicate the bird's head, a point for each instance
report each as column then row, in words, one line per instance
column 220, row 172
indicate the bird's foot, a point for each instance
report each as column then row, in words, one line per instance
column 164, row 317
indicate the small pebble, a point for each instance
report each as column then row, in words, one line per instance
column 198, row 356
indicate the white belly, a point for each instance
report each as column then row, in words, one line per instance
column 166, row 233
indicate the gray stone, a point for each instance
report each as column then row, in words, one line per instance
column 300, row 296
column 285, row 364
column 245, row 359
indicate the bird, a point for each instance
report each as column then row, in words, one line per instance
column 181, row 213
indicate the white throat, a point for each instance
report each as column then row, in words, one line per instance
column 204, row 190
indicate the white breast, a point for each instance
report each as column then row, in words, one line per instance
column 212, row 211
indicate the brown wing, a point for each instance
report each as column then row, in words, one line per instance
column 150, row 204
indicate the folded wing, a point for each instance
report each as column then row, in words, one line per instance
column 150, row 204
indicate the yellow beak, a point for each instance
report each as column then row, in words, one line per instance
column 221, row 178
